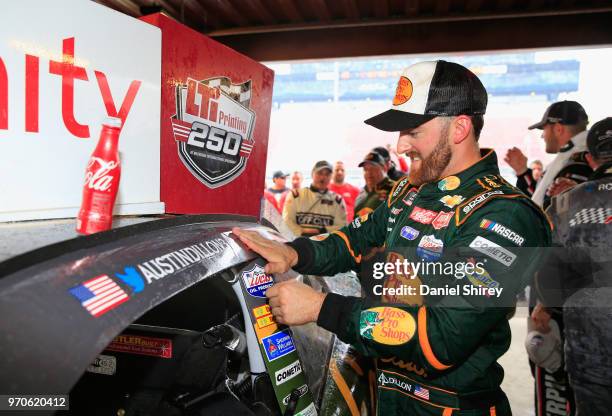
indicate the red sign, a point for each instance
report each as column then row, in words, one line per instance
column 215, row 116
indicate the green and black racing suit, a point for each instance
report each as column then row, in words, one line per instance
column 436, row 350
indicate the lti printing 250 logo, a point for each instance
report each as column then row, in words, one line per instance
column 213, row 128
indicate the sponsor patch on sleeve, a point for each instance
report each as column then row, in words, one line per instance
column 502, row 230
column 495, row 251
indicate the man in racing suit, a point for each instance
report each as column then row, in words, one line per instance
column 576, row 280
column 436, row 350
column 315, row 210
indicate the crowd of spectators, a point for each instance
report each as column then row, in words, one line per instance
column 330, row 202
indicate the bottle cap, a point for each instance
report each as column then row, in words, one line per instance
column 112, row 122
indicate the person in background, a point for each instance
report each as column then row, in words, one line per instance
column 537, row 169
column 563, row 128
column 391, row 170
column 576, row 280
column 316, row 209
column 564, row 132
column 347, row 191
column 296, row 183
column 377, row 187
column 269, row 196
column 296, row 180
column 527, row 180
column 279, row 189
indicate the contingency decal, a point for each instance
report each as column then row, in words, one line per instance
column 256, row 281
column 386, row 325
column 137, row 344
column 213, row 128
column 263, row 316
column 276, row 342
column 103, row 364
column 278, row 345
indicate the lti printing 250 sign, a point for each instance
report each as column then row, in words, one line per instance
column 213, row 128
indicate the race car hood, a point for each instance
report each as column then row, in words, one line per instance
column 62, row 304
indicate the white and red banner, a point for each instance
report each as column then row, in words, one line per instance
column 65, row 66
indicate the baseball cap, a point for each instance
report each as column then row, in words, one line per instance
column 373, row 158
column 383, row 152
column 564, row 112
column 599, row 139
column 322, row 164
column 279, row 174
column 432, row 89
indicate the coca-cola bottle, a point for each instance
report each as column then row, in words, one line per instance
column 101, row 181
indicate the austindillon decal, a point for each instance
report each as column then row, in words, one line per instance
column 213, row 128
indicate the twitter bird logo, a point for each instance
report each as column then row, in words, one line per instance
column 132, row 278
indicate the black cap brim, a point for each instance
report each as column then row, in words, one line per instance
column 396, row 120
column 539, row 125
column 369, row 162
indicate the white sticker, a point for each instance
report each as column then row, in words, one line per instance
column 287, row 373
column 103, row 364
column 309, row 411
column 493, row 250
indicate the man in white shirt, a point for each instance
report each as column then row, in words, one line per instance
column 564, row 131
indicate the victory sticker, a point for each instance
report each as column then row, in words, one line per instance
column 256, row 281
column 213, row 128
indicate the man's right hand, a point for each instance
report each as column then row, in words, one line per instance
column 517, row 160
column 280, row 257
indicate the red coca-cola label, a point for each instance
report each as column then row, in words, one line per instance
column 100, row 174
column 101, row 184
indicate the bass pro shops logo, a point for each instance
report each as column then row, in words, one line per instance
column 213, row 128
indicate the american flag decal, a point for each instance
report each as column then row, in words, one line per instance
column 99, row 295
column 421, row 392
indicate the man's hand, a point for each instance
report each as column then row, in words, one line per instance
column 280, row 256
column 517, row 160
column 541, row 319
column 294, row 303
column 560, row 185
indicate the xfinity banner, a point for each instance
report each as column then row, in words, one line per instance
column 73, row 64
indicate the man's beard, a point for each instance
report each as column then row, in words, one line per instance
column 432, row 167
